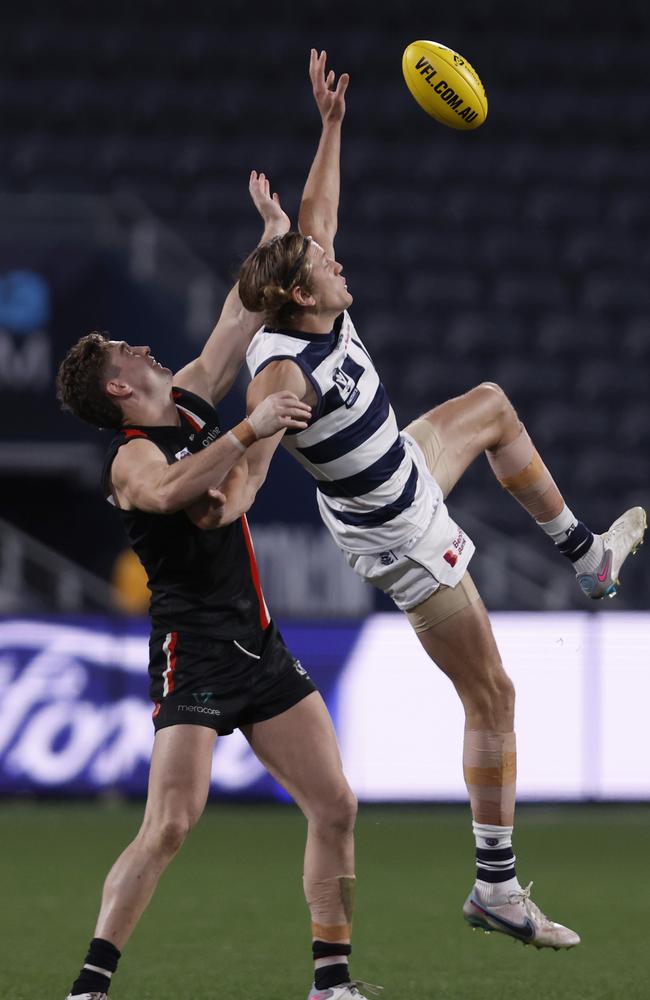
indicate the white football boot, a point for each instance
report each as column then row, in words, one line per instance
column 520, row 918
column 621, row 540
column 86, row 996
column 346, row 991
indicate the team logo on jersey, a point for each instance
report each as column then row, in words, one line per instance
column 387, row 558
column 183, row 453
column 346, row 386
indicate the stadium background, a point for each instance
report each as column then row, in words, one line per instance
column 517, row 254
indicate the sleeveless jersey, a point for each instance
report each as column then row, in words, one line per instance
column 202, row 581
column 371, row 494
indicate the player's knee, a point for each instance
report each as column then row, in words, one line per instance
column 495, row 399
column 337, row 813
column 166, row 836
column 492, row 699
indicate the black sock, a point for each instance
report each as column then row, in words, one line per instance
column 578, row 541
column 331, row 975
column 104, row 956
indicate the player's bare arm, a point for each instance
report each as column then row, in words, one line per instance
column 143, row 479
column 280, row 376
column 236, row 495
column 318, row 215
column 212, row 374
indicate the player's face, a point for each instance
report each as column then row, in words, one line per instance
column 329, row 287
column 136, row 366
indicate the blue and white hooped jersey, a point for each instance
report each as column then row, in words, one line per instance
column 372, row 491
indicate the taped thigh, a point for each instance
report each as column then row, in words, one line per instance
column 424, row 433
column 442, row 604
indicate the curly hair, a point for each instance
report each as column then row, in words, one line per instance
column 270, row 272
column 79, row 386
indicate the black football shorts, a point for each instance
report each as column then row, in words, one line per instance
column 222, row 683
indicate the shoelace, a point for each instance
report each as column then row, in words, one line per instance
column 523, row 896
column 368, row 988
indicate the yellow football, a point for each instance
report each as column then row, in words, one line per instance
column 444, row 85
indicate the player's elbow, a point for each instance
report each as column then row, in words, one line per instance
column 319, row 221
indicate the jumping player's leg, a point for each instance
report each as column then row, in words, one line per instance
column 461, row 643
column 455, row 433
column 179, row 781
column 299, row 748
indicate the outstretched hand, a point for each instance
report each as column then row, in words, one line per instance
column 276, row 221
column 329, row 97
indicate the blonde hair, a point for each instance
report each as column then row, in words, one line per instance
column 270, row 273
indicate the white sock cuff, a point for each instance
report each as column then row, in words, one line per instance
column 485, row 830
column 560, row 525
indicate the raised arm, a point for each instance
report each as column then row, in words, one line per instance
column 212, row 374
column 319, row 207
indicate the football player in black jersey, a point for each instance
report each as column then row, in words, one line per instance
column 217, row 660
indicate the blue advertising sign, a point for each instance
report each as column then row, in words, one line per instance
column 75, row 716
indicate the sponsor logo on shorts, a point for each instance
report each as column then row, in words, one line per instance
column 299, row 668
column 458, row 544
column 202, row 697
column 459, row 541
column 200, row 709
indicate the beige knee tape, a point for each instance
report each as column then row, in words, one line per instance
column 521, row 472
column 490, row 770
column 511, row 459
column 331, row 904
column 443, row 603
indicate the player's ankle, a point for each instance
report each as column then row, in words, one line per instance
column 496, row 893
column 575, row 540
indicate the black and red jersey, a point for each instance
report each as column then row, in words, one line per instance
column 203, row 581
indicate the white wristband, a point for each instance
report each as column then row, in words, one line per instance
column 235, row 440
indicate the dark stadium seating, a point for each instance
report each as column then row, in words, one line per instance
column 517, row 254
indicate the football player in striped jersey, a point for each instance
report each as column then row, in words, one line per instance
column 382, row 492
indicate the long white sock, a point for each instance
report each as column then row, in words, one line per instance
column 495, row 863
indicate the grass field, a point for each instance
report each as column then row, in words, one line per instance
column 229, row 923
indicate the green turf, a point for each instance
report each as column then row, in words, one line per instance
column 228, row 921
